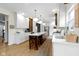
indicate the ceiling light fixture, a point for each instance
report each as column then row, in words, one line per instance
column 35, row 19
column 40, row 22
column 35, row 12
column 44, row 24
column 55, row 10
column 22, row 14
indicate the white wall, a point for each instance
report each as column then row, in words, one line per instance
column 70, row 7
column 21, row 21
column 11, row 37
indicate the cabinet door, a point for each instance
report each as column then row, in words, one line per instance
column 30, row 25
column 27, row 23
column 34, row 27
column 21, row 22
column 77, row 15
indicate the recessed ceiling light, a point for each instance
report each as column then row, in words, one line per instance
column 44, row 24
column 35, row 19
column 22, row 13
column 53, row 23
column 40, row 22
column 55, row 10
column 26, row 18
column 20, row 16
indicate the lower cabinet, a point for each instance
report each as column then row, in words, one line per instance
column 35, row 42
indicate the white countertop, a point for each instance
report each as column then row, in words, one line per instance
column 63, row 41
column 37, row 34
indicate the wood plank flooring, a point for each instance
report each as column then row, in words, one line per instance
column 23, row 49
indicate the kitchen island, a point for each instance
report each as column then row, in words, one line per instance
column 36, row 40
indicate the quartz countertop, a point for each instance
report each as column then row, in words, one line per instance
column 37, row 34
column 63, row 41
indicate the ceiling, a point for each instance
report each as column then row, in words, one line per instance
column 44, row 9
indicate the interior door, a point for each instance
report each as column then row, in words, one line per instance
column 6, row 29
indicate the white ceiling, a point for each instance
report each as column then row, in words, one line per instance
column 44, row 9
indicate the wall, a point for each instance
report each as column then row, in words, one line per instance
column 21, row 21
column 11, row 20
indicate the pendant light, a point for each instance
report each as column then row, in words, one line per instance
column 35, row 18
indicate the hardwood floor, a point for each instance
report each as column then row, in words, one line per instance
column 23, row 49
column 1, row 41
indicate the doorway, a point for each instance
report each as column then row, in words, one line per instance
column 3, row 29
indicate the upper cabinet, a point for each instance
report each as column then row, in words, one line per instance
column 77, row 15
column 31, row 24
column 22, row 22
column 62, row 16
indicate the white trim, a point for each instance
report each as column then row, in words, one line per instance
column 72, row 7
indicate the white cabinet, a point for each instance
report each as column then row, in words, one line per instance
column 27, row 22
column 62, row 16
column 22, row 22
column 34, row 27
column 21, row 37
